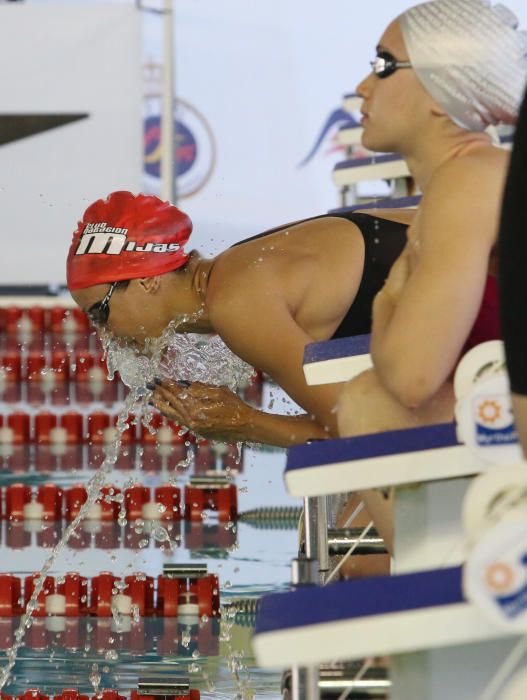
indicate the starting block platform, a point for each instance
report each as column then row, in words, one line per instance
column 349, row 135
column 370, row 617
column 379, row 167
column 430, row 470
column 394, row 458
column 336, row 360
column 352, row 102
column 388, row 203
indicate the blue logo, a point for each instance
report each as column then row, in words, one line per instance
column 184, row 152
column 194, row 150
column 338, row 119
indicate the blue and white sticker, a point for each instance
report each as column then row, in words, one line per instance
column 485, row 422
column 495, row 574
column 493, row 419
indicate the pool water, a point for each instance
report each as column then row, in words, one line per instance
column 93, row 653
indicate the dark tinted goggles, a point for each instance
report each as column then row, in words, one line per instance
column 385, row 64
column 99, row 312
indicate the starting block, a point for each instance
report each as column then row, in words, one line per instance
column 421, row 617
column 398, row 457
column 337, row 360
column 388, row 203
column 389, row 166
column 442, row 644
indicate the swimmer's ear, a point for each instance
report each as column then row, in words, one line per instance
column 437, row 111
column 150, row 285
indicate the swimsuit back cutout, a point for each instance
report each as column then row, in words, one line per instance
column 384, row 241
column 487, row 324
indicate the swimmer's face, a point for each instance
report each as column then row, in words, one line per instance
column 393, row 105
column 136, row 311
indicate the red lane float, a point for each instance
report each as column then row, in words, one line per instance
column 147, row 689
column 50, row 502
column 185, row 591
column 214, row 492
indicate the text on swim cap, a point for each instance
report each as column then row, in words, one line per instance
column 103, row 228
column 109, row 240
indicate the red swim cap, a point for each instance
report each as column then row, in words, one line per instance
column 127, row 236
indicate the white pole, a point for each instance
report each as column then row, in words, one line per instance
column 167, row 119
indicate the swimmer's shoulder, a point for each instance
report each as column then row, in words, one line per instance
column 476, row 167
column 466, row 192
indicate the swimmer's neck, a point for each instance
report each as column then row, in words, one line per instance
column 427, row 154
column 195, row 291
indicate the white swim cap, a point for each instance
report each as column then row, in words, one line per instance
column 471, row 58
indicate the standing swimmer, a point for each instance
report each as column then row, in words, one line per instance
column 445, row 70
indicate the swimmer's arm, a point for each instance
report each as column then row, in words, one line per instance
column 282, row 431
column 270, row 339
column 216, row 413
column 422, row 318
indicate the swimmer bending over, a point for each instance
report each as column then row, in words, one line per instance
column 267, row 297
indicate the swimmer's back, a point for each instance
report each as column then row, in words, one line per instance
column 383, row 240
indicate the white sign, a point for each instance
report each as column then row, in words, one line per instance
column 70, row 126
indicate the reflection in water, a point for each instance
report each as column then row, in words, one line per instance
column 250, row 560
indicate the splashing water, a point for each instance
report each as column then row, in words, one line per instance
column 95, row 678
column 191, row 357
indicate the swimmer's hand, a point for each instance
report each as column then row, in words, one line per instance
column 213, row 412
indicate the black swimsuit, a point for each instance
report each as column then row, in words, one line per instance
column 383, row 243
column 512, row 255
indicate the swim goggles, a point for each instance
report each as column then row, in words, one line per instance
column 385, row 64
column 99, row 312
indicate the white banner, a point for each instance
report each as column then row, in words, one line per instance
column 259, row 87
column 70, row 126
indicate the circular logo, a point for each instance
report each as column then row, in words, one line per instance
column 489, row 412
column 194, row 149
column 499, row 577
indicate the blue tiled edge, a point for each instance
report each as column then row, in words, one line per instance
column 312, row 605
column 371, row 446
column 337, row 348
